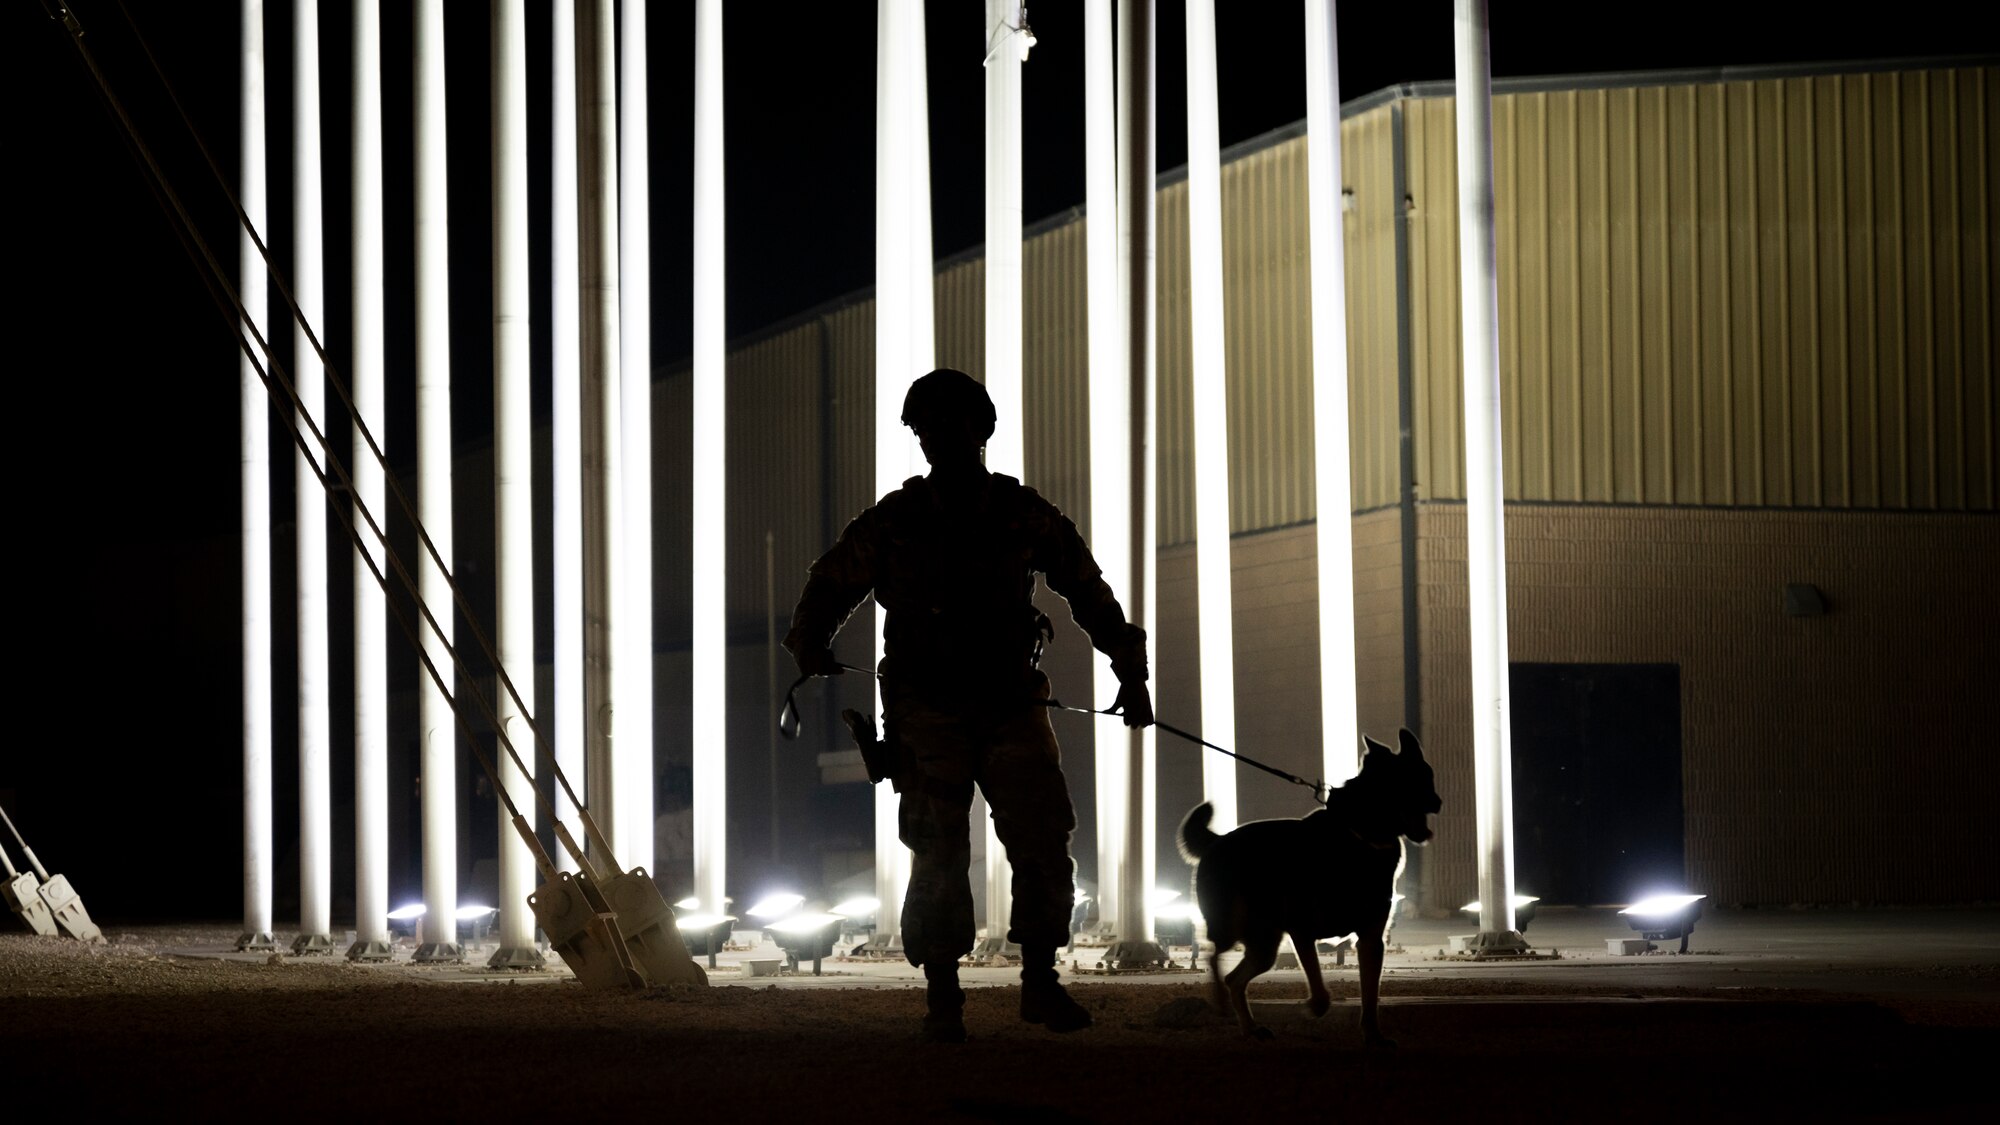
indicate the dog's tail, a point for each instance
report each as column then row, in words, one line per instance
column 1195, row 837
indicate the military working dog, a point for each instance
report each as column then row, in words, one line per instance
column 1328, row 874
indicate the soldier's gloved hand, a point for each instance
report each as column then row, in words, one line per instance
column 1134, row 704
column 817, row 662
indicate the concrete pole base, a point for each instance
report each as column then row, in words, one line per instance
column 992, row 949
column 369, row 951
column 440, row 953
column 312, row 945
column 1496, row 945
column 255, row 942
column 523, row 957
column 1124, row 956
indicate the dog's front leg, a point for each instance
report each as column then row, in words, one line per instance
column 1317, row 1001
column 1369, row 946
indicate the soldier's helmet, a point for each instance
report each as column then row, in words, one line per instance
column 948, row 397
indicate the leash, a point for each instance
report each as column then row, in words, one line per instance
column 788, row 726
column 1318, row 787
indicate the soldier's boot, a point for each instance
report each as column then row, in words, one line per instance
column 1043, row 999
column 944, row 1015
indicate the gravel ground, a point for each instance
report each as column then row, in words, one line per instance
column 123, row 1031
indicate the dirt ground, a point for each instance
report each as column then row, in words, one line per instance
column 121, row 1031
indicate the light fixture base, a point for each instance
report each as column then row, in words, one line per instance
column 256, row 942
column 523, row 957
column 994, row 950
column 1495, row 945
column 440, row 953
column 1136, row 956
column 312, row 945
column 369, row 951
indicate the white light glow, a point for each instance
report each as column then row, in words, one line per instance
column 405, row 913
column 1078, row 898
column 1174, row 911
column 689, row 903
column 1160, row 896
column 770, row 906
column 800, row 924
column 473, row 913
column 1519, row 902
column 701, row 921
column 1334, row 531
column 1659, row 906
column 862, row 907
column 1215, row 618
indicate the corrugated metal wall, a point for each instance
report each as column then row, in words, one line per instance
column 1767, row 293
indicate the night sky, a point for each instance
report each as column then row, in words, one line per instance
column 125, row 505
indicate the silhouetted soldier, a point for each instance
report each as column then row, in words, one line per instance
column 951, row 557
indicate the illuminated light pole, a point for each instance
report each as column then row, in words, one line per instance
column 1340, row 718
column 513, row 468
column 1485, row 537
column 439, row 743
column 708, row 502
column 905, row 328
column 597, row 258
column 1110, row 429
column 1007, row 43
column 1211, row 416
column 566, row 412
column 315, row 644
column 634, row 742
column 255, row 437
column 1137, row 182
column 371, row 627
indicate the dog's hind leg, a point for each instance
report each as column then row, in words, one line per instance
column 1259, row 954
column 1369, row 946
column 1216, row 994
column 1317, row 1001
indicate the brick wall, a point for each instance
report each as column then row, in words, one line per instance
column 1834, row 759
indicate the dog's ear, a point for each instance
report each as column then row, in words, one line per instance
column 1409, row 743
column 1370, row 746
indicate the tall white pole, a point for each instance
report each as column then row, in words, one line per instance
column 566, row 412
column 255, row 438
column 309, row 288
column 905, row 322
column 635, row 392
column 371, row 626
column 1215, row 620
column 1137, row 181
column 439, row 745
column 1340, row 719
column 513, row 467
column 1006, row 48
column 1485, row 537
column 1110, row 425
column 603, row 533
column 708, row 501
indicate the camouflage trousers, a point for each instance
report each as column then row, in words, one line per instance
column 1010, row 754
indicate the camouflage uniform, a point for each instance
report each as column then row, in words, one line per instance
column 956, row 576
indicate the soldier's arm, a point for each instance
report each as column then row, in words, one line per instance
column 839, row 580
column 1066, row 563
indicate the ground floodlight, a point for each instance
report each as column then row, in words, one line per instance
column 688, row 903
column 1078, row 898
column 1665, row 917
column 1159, row 897
column 475, row 921
column 1174, row 922
column 1524, row 910
column 403, row 919
column 773, row 906
column 863, row 906
column 705, row 934
column 806, row 937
